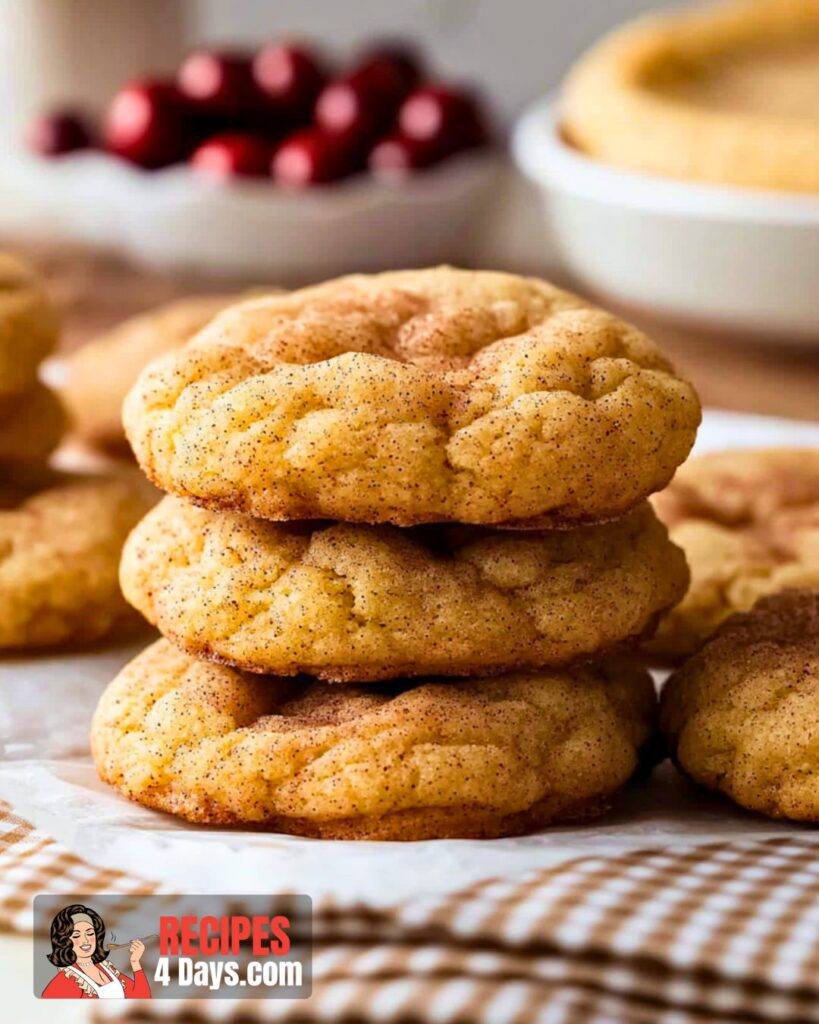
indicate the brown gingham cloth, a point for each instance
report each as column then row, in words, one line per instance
column 683, row 935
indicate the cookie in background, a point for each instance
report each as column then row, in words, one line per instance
column 93, row 380
column 742, row 715
column 31, row 416
column 748, row 521
column 61, row 533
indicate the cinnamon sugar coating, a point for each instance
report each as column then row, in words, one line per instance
column 352, row 603
column 474, row 758
column 420, row 396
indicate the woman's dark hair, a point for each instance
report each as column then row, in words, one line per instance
column 62, row 951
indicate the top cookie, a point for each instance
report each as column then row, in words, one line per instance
column 98, row 376
column 28, row 325
column 748, row 522
column 418, row 396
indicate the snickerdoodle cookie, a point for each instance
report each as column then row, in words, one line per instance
column 28, row 325
column 96, row 378
column 411, row 397
column 475, row 758
column 348, row 602
column 742, row 715
column 748, row 522
column 60, row 541
column 31, row 425
column 723, row 93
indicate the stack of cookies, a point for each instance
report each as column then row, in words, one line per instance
column 406, row 539
column 60, row 534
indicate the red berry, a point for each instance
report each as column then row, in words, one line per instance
column 289, row 77
column 58, row 132
column 144, row 124
column 344, row 111
column 404, row 59
column 363, row 103
column 311, row 157
column 218, row 82
column 233, row 154
column 447, row 119
column 395, row 157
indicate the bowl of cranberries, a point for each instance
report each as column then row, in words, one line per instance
column 273, row 161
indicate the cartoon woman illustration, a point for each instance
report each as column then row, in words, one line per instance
column 77, row 948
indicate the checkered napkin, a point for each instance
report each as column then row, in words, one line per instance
column 727, row 932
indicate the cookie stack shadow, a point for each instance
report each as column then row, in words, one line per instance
column 404, row 556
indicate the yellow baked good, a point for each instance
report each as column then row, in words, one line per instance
column 722, row 93
column 60, row 540
column 742, row 715
column 352, row 603
column 31, row 425
column 475, row 758
column 28, row 325
column 411, row 397
column 748, row 522
column 96, row 377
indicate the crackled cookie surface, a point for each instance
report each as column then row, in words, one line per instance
column 28, row 325
column 60, row 541
column 466, row 758
column 748, row 522
column 31, row 425
column 724, row 93
column 412, row 397
column 354, row 603
column 97, row 377
column 742, row 715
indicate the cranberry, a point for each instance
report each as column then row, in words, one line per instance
column 363, row 103
column 233, row 154
column 404, row 59
column 395, row 157
column 58, row 132
column 218, row 82
column 447, row 119
column 290, row 77
column 144, row 124
column 312, row 157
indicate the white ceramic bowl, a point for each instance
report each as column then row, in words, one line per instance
column 716, row 256
column 178, row 218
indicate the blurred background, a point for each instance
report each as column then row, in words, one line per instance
column 113, row 238
column 517, row 48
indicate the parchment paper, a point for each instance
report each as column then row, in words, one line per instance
column 46, row 703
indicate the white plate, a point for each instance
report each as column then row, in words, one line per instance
column 177, row 218
column 721, row 257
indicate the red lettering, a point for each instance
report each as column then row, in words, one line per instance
column 280, row 940
column 260, row 926
column 188, row 943
column 209, row 936
column 168, row 936
column 239, row 931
